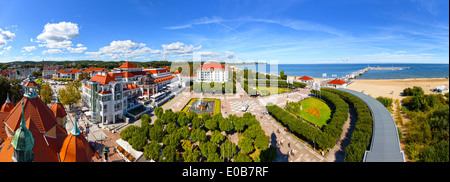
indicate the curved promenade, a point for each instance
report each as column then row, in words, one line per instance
column 385, row 145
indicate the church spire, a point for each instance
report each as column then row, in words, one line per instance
column 23, row 142
column 75, row 131
column 7, row 98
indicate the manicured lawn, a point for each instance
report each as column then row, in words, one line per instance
column 315, row 111
column 272, row 90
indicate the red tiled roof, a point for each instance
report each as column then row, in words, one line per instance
column 59, row 110
column 7, row 106
column 127, row 74
column 92, row 69
column 127, row 65
column 31, row 84
column 69, row 71
column 337, row 82
column 45, row 148
column 212, row 67
column 76, row 149
column 305, row 78
column 156, row 71
column 3, row 134
column 104, row 92
column 102, row 79
column 35, row 109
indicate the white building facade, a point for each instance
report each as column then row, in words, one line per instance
column 212, row 72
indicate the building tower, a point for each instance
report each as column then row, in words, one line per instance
column 60, row 112
column 7, row 106
column 23, row 142
column 75, row 147
column 30, row 88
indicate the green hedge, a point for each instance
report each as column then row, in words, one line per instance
column 301, row 129
column 362, row 135
column 339, row 116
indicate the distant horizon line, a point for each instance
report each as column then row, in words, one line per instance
column 228, row 62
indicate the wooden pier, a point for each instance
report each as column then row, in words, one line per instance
column 353, row 75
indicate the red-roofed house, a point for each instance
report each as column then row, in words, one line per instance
column 68, row 73
column 93, row 71
column 212, row 72
column 337, row 83
column 306, row 79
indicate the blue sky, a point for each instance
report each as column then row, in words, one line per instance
column 289, row 31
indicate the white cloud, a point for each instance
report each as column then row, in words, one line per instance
column 56, row 36
column 123, row 48
column 52, row 51
column 209, row 54
column 58, row 32
column 6, row 36
column 76, row 50
column 8, row 48
column 179, row 48
column 28, row 49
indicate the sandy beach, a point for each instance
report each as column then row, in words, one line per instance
column 383, row 88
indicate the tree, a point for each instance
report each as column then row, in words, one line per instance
column 46, row 93
column 197, row 122
column 268, row 155
column 69, row 95
column 225, row 125
column 283, row 76
column 217, row 137
column 183, row 132
column 208, row 149
column 83, row 76
column 198, row 135
column 128, row 132
column 6, row 89
column 152, row 151
column 191, row 115
column 159, row 111
column 156, row 133
column 191, row 156
column 239, row 124
column 183, row 120
column 214, row 158
column 138, row 141
column 262, row 142
column 246, row 145
column 169, row 154
column 205, row 116
column 172, row 139
column 170, row 128
column 227, row 149
column 145, row 121
column 241, row 157
column 211, row 124
column 169, row 116
column 36, row 74
column 16, row 90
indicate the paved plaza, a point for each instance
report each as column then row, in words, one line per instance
column 290, row 148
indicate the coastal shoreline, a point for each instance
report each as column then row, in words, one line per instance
column 384, row 87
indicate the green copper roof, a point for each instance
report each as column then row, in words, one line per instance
column 75, row 130
column 57, row 99
column 23, row 139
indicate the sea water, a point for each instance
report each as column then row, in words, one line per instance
column 341, row 70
